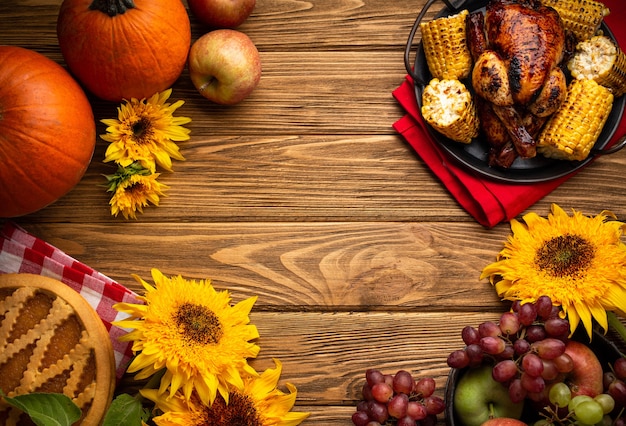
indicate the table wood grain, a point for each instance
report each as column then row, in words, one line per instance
column 305, row 195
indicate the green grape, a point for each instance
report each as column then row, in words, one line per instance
column 606, row 421
column 560, row 395
column 606, row 401
column 577, row 400
column 589, row 412
column 543, row 422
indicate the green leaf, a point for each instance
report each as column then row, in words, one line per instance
column 125, row 410
column 47, row 409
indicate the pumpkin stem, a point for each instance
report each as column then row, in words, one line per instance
column 112, row 7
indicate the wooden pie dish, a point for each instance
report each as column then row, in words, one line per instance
column 52, row 340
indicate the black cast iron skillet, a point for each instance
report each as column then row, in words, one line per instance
column 474, row 156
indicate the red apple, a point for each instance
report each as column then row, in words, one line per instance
column 586, row 377
column 503, row 421
column 221, row 13
column 224, row 66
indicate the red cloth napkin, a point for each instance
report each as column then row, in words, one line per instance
column 488, row 201
column 21, row 252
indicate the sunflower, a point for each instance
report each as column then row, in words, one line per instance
column 578, row 261
column 190, row 332
column 144, row 131
column 259, row 403
column 133, row 189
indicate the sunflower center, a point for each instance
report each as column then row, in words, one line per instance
column 136, row 188
column 199, row 323
column 565, row 255
column 142, row 130
column 240, row 411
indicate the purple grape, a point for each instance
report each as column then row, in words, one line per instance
column 434, row 405
column 367, row 392
column 416, row 410
column 504, row 371
column 403, row 382
column 470, row 335
column 373, row 376
column 556, row 327
column 377, row 411
column 489, row 329
column 397, row 406
column 550, row 372
column 517, row 393
column 425, row 387
column 406, row 421
column 532, row 384
column 521, row 346
column 527, row 313
column 532, row 365
column 360, row 418
column 382, row 392
column 617, row 390
column 535, row 333
column 544, row 307
column 619, row 366
column 564, row 363
column 458, row 359
column 507, row 353
column 509, row 323
column 549, row 348
column 492, row 345
column 475, row 354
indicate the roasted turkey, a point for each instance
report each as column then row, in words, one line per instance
column 518, row 47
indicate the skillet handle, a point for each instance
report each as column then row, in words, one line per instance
column 408, row 65
column 621, row 143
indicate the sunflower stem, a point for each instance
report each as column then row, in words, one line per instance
column 112, row 7
column 617, row 325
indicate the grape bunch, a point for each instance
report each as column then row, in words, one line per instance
column 615, row 385
column 397, row 399
column 526, row 347
column 566, row 409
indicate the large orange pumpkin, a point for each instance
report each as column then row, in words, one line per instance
column 124, row 49
column 47, row 131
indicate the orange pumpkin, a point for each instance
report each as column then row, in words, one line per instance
column 122, row 49
column 47, row 131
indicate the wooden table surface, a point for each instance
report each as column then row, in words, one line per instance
column 305, row 195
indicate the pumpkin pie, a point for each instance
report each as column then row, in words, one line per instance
column 52, row 340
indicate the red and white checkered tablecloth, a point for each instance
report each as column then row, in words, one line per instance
column 21, row 252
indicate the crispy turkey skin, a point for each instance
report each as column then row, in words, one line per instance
column 530, row 39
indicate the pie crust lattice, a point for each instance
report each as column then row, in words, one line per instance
column 52, row 340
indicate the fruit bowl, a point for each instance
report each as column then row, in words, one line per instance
column 605, row 350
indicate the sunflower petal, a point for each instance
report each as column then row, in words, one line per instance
column 578, row 261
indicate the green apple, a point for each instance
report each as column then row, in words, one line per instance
column 478, row 397
column 224, row 66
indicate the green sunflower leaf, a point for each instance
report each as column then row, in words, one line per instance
column 46, row 409
column 125, row 410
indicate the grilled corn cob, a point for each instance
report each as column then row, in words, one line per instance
column 601, row 60
column 582, row 17
column 448, row 107
column 445, row 45
column 574, row 129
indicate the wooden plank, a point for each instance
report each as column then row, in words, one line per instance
column 300, row 266
column 325, row 355
column 273, row 25
column 313, row 178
